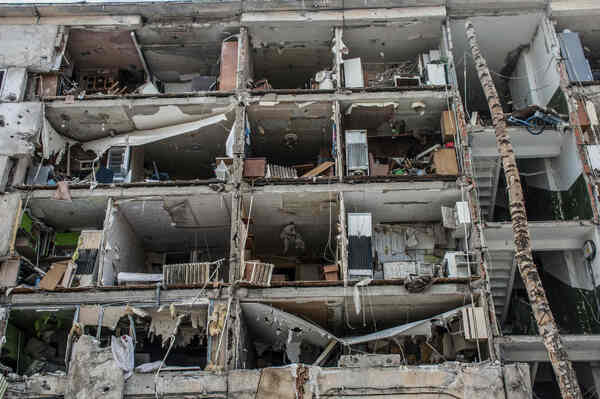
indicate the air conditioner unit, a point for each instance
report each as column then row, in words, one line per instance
column 357, row 152
column 117, row 160
column 392, row 270
column 459, row 264
column 360, row 253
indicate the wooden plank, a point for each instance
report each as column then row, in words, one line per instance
column 444, row 162
column 319, row 169
column 69, row 274
column 54, row 276
column 448, row 126
column 90, row 239
column 16, row 225
column 325, row 354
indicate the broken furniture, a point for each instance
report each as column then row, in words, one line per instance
column 194, row 273
column 257, row 273
column 259, row 167
column 445, row 163
column 425, row 69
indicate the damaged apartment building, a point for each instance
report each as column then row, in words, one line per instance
column 299, row 199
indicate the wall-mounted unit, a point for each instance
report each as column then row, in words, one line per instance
column 578, row 67
column 353, row 73
column 360, row 255
column 392, row 270
column 117, row 160
column 459, row 264
column 357, row 152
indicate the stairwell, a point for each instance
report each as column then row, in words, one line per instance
column 502, row 275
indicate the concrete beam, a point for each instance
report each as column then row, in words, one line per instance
column 133, row 191
column 574, row 8
column 148, row 296
column 526, row 145
column 545, row 236
column 525, row 348
column 131, row 21
column 445, row 380
column 346, row 17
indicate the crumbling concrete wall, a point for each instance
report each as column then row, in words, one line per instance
column 456, row 380
column 9, row 210
column 93, row 372
column 35, row 47
column 123, row 251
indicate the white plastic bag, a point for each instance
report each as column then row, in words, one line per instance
column 123, row 352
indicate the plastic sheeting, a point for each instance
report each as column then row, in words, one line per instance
column 53, row 143
column 141, row 137
column 123, row 351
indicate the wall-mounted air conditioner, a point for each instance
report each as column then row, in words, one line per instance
column 360, row 253
column 117, row 160
column 357, row 152
column 459, row 264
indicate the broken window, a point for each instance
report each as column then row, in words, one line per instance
column 177, row 241
column 295, row 232
column 413, row 136
column 290, row 140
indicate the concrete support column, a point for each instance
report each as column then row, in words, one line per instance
column 5, row 165
column 221, row 333
column 337, row 55
column 343, row 242
column 339, row 145
column 595, row 367
column 243, row 59
column 237, row 170
column 23, row 165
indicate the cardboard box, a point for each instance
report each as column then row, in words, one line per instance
column 448, row 126
column 331, row 272
column 255, row 167
column 444, row 162
column 278, row 277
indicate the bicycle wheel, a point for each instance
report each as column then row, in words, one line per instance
column 536, row 126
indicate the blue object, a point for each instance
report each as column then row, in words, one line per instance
column 536, row 123
column 104, row 175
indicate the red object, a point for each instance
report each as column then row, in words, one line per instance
column 229, row 60
column 449, row 144
column 255, row 167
